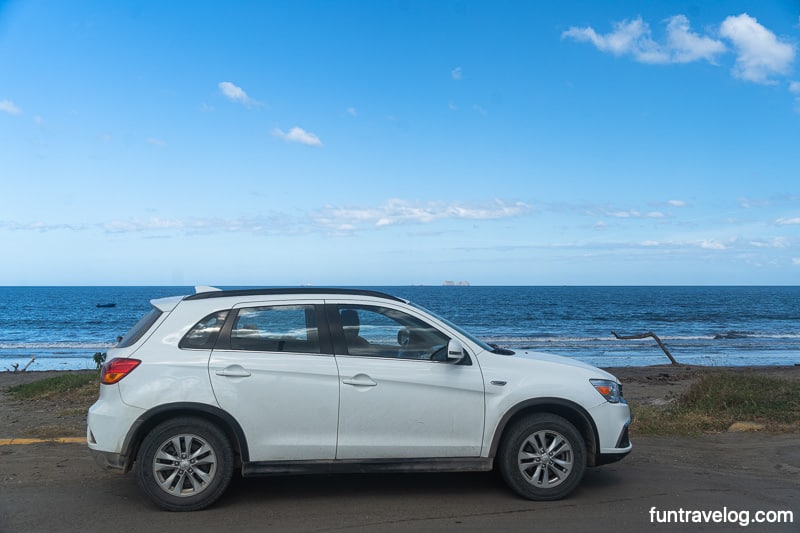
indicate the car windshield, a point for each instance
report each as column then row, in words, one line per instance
column 461, row 330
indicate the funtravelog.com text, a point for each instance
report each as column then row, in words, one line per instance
column 720, row 516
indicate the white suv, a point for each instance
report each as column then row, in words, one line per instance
column 277, row 381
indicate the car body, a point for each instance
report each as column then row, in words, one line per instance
column 277, row 381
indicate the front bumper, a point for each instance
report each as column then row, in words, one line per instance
column 612, row 425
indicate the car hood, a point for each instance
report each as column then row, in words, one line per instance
column 559, row 360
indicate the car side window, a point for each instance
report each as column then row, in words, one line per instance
column 204, row 334
column 373, row 331
column 283, row 328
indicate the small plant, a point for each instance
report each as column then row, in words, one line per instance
column 99, row 359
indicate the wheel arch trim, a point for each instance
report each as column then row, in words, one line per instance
column 569, row 410
column 151, row 418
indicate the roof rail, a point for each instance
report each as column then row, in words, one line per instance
column 299, row 290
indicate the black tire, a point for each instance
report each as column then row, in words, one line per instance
column 542, row 457
column 184, row 464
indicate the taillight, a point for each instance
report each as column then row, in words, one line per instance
column 116, row 369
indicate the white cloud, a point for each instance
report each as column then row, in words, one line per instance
column 236, row 94
column 776, row 242
column 456, row 73
column 269, row 224
column 298, row 135
column 788, row 221
column 8, row 106
column 352, row 111
column 711, row 245
column 796, row 261
column 685, row 46
column 627, row 37
column 633, row 213
column 630, row 213
column 794, row 88
column 156, row 142
column 760, row 53
column 676, row 203
column 396, row 212
column 635, row 38
column 39, row 226
column 139, row 225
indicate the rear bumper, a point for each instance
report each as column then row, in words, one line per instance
column 110, row 461
column 108, row 423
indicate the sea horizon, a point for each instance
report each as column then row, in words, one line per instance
column 713, row 325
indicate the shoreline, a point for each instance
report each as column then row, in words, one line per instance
column 641, row 383
column 652, row 359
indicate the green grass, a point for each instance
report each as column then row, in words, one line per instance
column 717, row 400
column 75, row 385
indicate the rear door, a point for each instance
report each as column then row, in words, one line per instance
column 273, row 370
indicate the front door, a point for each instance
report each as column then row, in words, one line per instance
column 399, row 397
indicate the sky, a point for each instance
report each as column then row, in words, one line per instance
column 282, row 143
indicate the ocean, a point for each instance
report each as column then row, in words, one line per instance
column 716, row 326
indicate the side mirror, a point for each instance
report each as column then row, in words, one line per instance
column 455, row 351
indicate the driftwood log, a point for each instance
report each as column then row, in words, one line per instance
column 644, row 336
column 25, row 368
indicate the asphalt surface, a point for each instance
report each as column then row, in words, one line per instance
column 58, row 487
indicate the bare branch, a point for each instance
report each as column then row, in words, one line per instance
column 644, row 336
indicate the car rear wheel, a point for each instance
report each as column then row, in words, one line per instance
column 184, row 464
column 542, row 457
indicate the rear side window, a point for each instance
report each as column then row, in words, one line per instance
column 284, row 328
column 204, row 334
column 141, row 327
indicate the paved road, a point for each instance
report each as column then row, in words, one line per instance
column 57, row 487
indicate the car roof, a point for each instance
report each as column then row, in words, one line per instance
column 290, row 291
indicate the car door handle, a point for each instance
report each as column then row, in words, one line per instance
column 233, row 371
column 360, row 380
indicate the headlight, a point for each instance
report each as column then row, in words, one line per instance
column 608, row 389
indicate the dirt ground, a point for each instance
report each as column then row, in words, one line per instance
column 747, row 472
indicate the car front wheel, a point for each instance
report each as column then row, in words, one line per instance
column 542, row 457
column 184, row 464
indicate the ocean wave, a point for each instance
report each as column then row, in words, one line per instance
column 735, row 335
column 516, row 339
column 78, row 345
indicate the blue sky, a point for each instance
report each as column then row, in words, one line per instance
column 399, row 142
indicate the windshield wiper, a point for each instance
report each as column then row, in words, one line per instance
column 501, row 351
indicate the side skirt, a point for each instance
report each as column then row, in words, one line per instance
column 272, row 468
